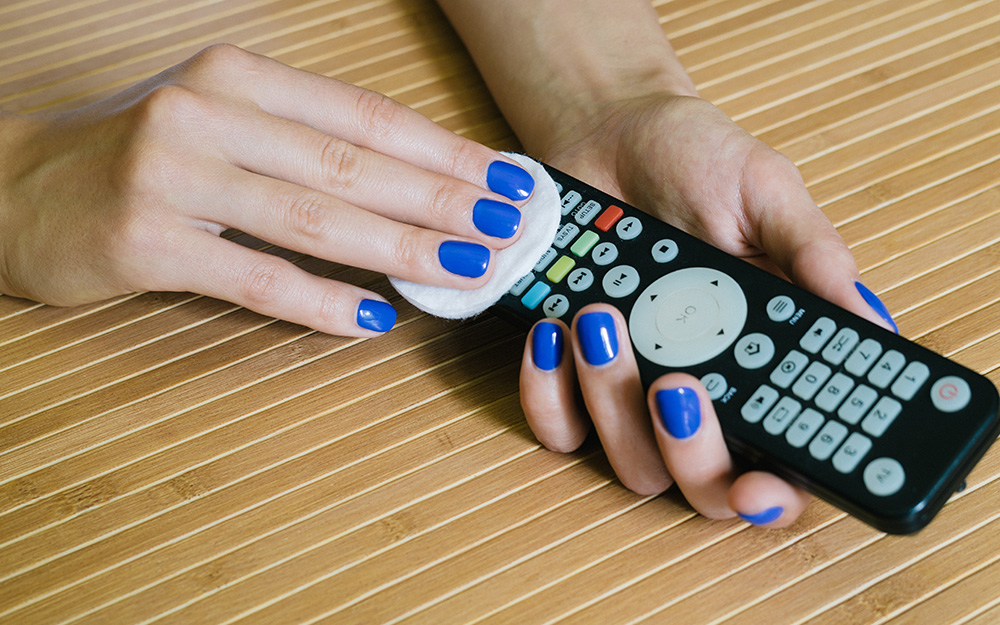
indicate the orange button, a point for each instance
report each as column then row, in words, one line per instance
column 608, row 218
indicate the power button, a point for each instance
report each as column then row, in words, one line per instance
column 950, row 394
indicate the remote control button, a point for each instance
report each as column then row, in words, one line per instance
column 851, row 452
column 863, row 357
column 605, row 254
column 566, row 234
column 886, row 368
column 587, row 212
column 789, row 369
column 586, row 241
column 910, row 380
column 834, row 392
column 781, row 417
column 760, row 402
column 608, row 218
column 522, row 285
column 857, row 404
column 822, row 447
column 580, row 279
column 813, row 378
column 753, row 351
column 884, row 477
column 629, row 228
column 817, row 336
column 841, row 345
column 808, row 423
column 687, row 317
column 881, row 416
column 555, row 306
column 535, row 295
column 546, row 259
column 950, row 394
column 621, row 281
column 559, row 269
column 780, row 308
column 715, row 384
column 665, row 251
column 569, row 201
column 559, row 187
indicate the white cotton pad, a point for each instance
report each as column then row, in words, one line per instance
column 539, row 221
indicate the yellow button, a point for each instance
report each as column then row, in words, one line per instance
column 559, row 269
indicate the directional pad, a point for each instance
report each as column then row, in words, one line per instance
column 687, row 317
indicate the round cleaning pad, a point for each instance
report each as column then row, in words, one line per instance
column 539, row 221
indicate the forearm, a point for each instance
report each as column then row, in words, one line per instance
column 557, row 64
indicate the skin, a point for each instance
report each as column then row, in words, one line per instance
column 611, row 105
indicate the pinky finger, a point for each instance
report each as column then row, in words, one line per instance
column 275, row 287
column 766, row 500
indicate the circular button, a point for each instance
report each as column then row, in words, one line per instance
column 780, row 308
column 950, row 394
column 604, row 254
column 688, row 316
column 884, row 477
column 580, row 279
column 629, row 228
column 753, row 351
column 664, row 251
column 621, row 281
column 555, row 306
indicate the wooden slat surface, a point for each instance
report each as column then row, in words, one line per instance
column 173, row 459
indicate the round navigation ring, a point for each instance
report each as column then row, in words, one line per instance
column 687, row 317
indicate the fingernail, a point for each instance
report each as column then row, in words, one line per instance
column 680, row 411
column 598, row 338
column 464, row 259
column 876, row 305
column 509, row 180
column 496, row 219
column 763, row 518
column 547, row 346
column 376, row 315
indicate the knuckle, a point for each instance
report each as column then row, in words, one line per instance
column 307, row 215
column 440, row 204
column 262, row 282
column 378, row 113
column 331, row 311
column 222, row 58
column 171, row 104
column 340, row 162
column 410, row 250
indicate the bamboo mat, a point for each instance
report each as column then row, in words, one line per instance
column 173, row 459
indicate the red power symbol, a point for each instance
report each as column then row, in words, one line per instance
column 948, row 391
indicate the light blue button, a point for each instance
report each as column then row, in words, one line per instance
column 535, row 295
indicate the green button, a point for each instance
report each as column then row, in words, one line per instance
column 559, row 269
column 586, row 241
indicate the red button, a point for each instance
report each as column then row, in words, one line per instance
column 608, row 218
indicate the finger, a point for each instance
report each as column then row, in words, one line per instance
column 612, row 392
column 691, row 442
column 548, row 382
column 357, row 115
column 765, row 499
column 318, row 224
column 368, row 179
column 803, row 242
column 275, row 287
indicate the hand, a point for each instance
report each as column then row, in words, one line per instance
column 132, row 193
column 684, row 161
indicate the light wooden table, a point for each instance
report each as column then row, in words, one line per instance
column 171, row 458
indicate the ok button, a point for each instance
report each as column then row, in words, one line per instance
column 687, row 315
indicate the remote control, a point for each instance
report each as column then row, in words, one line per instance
column 873, row 423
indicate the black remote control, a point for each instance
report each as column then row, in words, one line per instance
column 871, row 422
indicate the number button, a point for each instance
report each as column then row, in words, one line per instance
column 813, row 377
column 850, row 454
column 827, row 440
column 910, row 380
column 863, row 357
column 881, row 416
column 857, row 404
column 886, row 368
column 834, row 392
column 629, row 228
column 808, row 423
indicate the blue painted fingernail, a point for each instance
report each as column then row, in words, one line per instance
column 547, row 346
column 763, row 518
column 509, row 180
column 376, row 315
column 598, row 338
column 680, row 411
column 463, row 258
column 876, row 305
column 496, row 219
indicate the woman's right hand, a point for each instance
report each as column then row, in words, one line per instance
column 131, row 194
